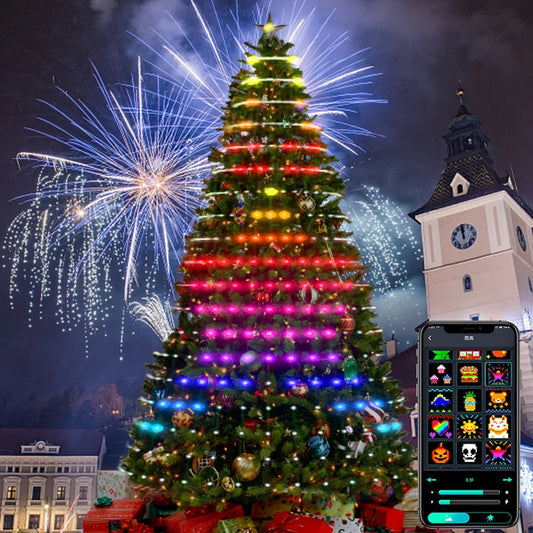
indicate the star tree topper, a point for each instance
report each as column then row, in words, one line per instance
column 269, row 27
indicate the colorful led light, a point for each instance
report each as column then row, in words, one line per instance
column 271, row 285
column 254, row 102
column 263, row 169
column 286, row 147
column 271, row 214
column 269, row 334
column 283, row 261
column 226, row 359
column 248, row 125
column 254, row 80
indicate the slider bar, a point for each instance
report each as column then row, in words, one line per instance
column 469, row 502
column 469, row 492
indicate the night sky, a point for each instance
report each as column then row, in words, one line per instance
column 420, row 47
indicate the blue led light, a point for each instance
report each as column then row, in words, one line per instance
column 336, row 382
column 315, row 382
column 183, row 380
column 179, row 404
column 360, row 405
column 341, row 406
column 245, row 383
column 197, row 406
column 223, row 382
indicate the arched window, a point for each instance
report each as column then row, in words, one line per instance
column 467, row 283
column 460, row 188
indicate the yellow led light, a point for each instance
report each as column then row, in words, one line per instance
column 270, row 214
column 252, row 60
column 268, row 27
column 252, row 80
column 257, row 214
column 298, row 82
column 271, row 191
column 284, row 215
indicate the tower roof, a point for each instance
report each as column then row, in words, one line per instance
column 468, row 157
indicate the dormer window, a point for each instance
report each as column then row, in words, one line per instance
column 459, row 185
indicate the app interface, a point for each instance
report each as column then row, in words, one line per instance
column 468, row 427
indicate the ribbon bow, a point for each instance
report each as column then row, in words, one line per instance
column 104, row 501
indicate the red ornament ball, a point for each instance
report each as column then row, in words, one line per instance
column 322, row 428
column 183, row 418
column 251, row 423
column 262, row 296
column 347, row 323
column 300, row 389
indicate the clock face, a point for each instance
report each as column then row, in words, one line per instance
column 464, row 236
column 521, row 238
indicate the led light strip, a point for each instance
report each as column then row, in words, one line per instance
column 260, row 169
column 267, row 238
column 254, row 102
column 269, row 309
column 269, row 334
column 287, row 146
column 272, row 285
column 278, row 191
column 253, row 59
column 226, row 359
column 254, row 80
column 248, row 125
column 225, row 261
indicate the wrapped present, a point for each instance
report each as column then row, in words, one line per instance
column 202, row 519
column 320, row 506
column 115, row 516
column 114, row 484
column 286, row 522
column 243, row 524
column 374, row 516
column 343, row 524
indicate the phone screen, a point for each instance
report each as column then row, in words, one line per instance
column 468, row 424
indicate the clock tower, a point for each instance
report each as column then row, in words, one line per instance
column 477, row 238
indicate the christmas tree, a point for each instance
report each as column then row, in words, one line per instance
column 269, row 385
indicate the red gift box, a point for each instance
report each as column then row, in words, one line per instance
column 201, row 519
column 293, row 523
column 98, row 519
column 379, row 515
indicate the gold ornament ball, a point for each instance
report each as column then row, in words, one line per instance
column 246, row 467
column 228, row 484
column 183, row 418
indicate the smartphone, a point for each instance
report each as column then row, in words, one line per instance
column 469, row 424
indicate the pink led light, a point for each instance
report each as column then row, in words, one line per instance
column 329, row 333
column 200, row 308
column 226, row 358
column 291, row 358
column 332, row 357
column 229, row 333
column 289, row 309
column 269, row 309
column 206, row 357
column 313, row 358
column 233, row 309
column 309, row 333
column 307, row 309
column 248, row 333
column 250, row 309
column 211, row 333
column 289, row 334
column 270, row 333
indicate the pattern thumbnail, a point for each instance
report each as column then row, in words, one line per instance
column 441, row 453
column 498, row 373
column 498, row 427
column 469, row 374
column 440, row 374
column 498, row 400
column 440, row 426
column 469, row 400
column 498, row 354
column 469, row 453
column 469, row 355
column 469, row 426
column 440, row 400
column 440, row 355
column 498, row 453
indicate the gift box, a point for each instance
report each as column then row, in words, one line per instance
column 114, row 484
column 202, row 519
column 243, row 524
column 286, row 522
column 343, row 524
column 319, row 506
column 374, row 516
column 119, row 515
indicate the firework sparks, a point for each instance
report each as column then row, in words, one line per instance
column 336, row 82
column 122, row 199
column 156, row 315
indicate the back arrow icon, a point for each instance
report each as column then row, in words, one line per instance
column 430, row 479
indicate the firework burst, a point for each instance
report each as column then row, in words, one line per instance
column 157, row 315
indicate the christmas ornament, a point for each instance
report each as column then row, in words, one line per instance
column 347, row 323
column 308, row 295
column 248, row 358
column 368, row 435
column 276, row 247
column 300, row 389
column 356, row 448
column 262, row 296
column 246, row 467
column 318, row 446
column 251, row 423
column 373, row 413
column 379, row 492
column 321, row 224
column 225, row 400
column 183, row 418
column 155, row 455
column 322, row 428
column 306, row 203
column 351, row 369
column 199, row 463
column 239, row 214
column 227, row 484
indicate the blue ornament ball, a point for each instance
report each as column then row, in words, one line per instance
column 318, row 446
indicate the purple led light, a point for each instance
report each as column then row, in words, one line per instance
column 313, row 358
column 269, row 358
column 226, row 358
column 247, row 358
column 332, row 357
column 206, row 357
column 291, row 358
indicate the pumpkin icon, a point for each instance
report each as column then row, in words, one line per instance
column 440, row 454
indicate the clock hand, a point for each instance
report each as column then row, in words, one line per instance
column 463, row 231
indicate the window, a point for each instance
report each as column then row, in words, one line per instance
column 33, row 521
column 59, row 520
column 467, row 283
column 474, row 317
column 61, row 492
column 17, row 469
column 10, row 469
column 36, row 493
column 67, row 469
column 11, row 492
column 59, row 469
column 9, row 521
column 34, row 469
column 41, row 469
column 460, row 188
column 79, row 521
column 84, row 492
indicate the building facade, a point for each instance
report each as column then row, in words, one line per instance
column 48, row 478
column 477, row 237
